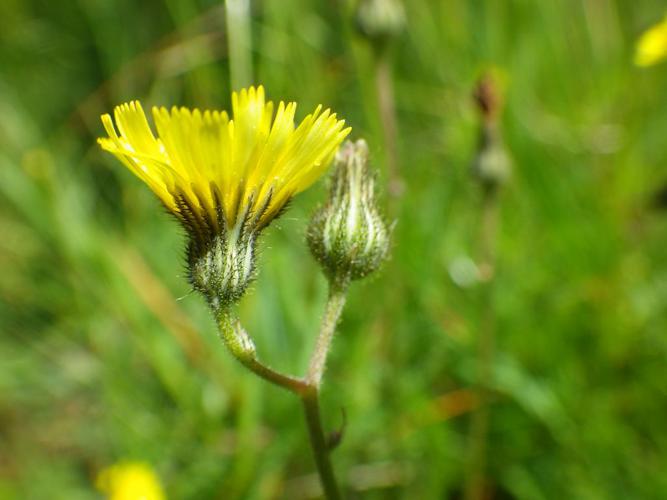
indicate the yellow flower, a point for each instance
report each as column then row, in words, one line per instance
column 651, row 47
column 224, row 178
column 130, row 481
column 209, row 169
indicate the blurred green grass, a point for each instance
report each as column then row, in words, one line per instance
column 106, row 355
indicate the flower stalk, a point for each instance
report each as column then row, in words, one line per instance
column 241, row 346
column 307, row 388
column 311, row 397
column 381, row 22
column 318, row 442
column 332, row 312
column 239, row 42
column 486, row 347
column 491, row 168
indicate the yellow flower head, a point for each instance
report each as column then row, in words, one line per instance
column 130, row 481
column 203, row 163
column 651, row 47
column 225, row 178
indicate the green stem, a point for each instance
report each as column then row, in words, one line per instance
column 239, row 42
column 386, row 103
column 243, row 349
column 310, row 398
column 479, row 425
column 318, row 442
column 332, row 313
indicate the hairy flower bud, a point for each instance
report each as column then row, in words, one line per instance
column 348, row 236
column 222, row 264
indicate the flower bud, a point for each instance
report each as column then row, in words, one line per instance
column 348, row 236
column 491, row 165
column 380, row 20
column 222, row 264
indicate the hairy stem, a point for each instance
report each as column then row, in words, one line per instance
column 332, row 312
column 242, row 348
column 310, row 398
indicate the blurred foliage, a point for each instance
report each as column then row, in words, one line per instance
column 107, row 356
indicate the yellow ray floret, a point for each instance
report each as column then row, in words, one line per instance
column 252, row 163
column 651, row 47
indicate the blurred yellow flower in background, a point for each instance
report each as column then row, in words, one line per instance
column 651, row 47
column 130, row 481
column 208, row 166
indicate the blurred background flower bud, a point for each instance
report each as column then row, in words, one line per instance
column 491, row 165
column 348, row 236
column 380, row 20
